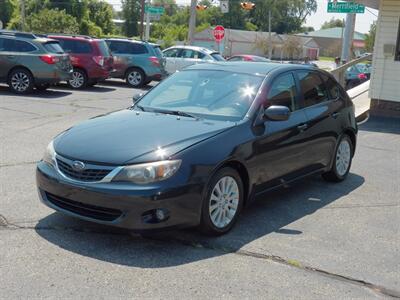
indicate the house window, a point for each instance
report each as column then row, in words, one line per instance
column 397, row 55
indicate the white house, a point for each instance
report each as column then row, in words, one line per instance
column 385, row 77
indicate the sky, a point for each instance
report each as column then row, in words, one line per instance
column 363, row 21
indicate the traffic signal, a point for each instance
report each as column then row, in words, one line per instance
column 201, row 7
column 247, row 5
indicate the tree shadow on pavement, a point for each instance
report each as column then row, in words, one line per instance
column 270, row 213
column 51, row 93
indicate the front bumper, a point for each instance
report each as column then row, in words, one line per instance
column 119, row 204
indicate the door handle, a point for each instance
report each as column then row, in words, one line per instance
column 335, row 115
column 302, row 127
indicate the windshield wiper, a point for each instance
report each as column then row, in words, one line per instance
column 139, row 106
column 176, row 113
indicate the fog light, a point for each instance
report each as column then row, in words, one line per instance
column 160, row 215
column 155, row 216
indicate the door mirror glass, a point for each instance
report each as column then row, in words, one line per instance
column 277, row 113
column 137, row 97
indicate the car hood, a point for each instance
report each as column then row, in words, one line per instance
column 128, row 136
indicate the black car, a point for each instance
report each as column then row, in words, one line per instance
column 200, row 146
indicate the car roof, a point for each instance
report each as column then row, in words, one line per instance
column 72, row 37
column 126, row 40
column 196, row 48
column 255, row 68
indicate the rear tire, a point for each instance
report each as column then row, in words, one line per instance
column 79, row 79
column 341, row 161
column 135, row 78
column 223, row 202
column 20, row 81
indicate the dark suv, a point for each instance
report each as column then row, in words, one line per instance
column 91, row 59
column 137, row 62
column 28, row 61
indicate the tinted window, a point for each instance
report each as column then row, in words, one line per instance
column 217, row 56
column 283, row 92
column 312, row 88
column 187, row 53
column 8, row 45
column 158, row 51
column 2, row 46
column 104, row 50
column 21, row 46
column 172, row 52
column 118, row 47
column 53, row 47
column 236, row 58
column 332, row 86
column 135, row 48
column 82, row 47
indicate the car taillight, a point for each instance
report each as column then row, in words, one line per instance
column 154, row 60
column 49, row 59
column 362, row 76
column 99, row 60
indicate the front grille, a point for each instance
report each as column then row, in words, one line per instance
column 86, row 210
column 87, row 175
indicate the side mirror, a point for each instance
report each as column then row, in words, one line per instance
column 137, row 97
column 277, row 113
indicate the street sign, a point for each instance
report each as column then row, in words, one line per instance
column 154, row 10
column 219, row 33
column 345, row 7
column 224, row 6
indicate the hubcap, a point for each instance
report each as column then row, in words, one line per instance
column 343, row 156
column 224, row 201
column 77, row 80
column 134, row 78
column 20, row 82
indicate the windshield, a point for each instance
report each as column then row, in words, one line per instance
column 211, row 94
column 54, row 47
column 217, row 57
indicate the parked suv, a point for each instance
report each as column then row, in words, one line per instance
column 91, row 59
column 136, row 61
column 28, row 61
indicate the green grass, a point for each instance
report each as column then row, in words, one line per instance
column 326, row 58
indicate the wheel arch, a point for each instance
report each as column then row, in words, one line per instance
column 19, row 67
column 134, row 67
column 352, row 135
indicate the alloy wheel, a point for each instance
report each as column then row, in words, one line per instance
column 134, row 78
column 343, row 157
column 224, row 201
column 20, row 82
column 77, row 80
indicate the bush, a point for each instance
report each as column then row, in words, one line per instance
column 52, row 21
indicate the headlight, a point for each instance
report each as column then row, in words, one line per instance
column 49, row 154
column 149, row 172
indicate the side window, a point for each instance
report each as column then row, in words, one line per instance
column 312, row 87
column 82, row 47
column 198, row 55
column 332, row 86
column 9, row 45
column 2, row 48
column 135, row 48
column 283, row 92
column 67, row 45
column 187, row 53
column 21, row 46
column 172, row 52
column 236, row 58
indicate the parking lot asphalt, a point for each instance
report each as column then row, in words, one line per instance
column 312, row 240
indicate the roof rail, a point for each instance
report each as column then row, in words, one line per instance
column 18, row 34
column 71, row 35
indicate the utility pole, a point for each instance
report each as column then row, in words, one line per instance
column 147, row 35
column 348, row 37
column 142, row 4
column 192, row 21
column 269, row 35
column 22, row 3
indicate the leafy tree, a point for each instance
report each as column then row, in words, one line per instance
column 52, row 20
column 131, row 14
column 170, row 6
column 370, row 38
column 101, row 14
column 332, row 23
column 292, row 47
column 7, row 8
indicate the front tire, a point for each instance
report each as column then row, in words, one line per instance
column 20, row 81
column 135, row 78
column 79, row 79
column 342, row 161
column 222, row 203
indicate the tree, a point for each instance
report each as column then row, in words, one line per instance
column 131, row 14
column 370, row 38
column 292, row 46
column 52, row 20
column 101, row 14
column 332, row 23
column 7, row 8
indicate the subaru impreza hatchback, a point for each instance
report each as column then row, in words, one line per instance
column 200, row 146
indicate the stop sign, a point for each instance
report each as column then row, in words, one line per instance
column 219, row 33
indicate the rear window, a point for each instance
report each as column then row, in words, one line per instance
column 104, row 50
column 217, row 57
column 53, row 47
column 158, row 51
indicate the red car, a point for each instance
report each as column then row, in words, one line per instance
column 91, row 59
column 247, row 57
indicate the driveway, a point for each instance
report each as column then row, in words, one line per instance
column 311, row 240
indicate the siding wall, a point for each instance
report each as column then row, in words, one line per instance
column 385, row 78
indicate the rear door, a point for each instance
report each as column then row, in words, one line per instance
column 282, row 148
column 170, row 59
column 323, row 111
column 7, row 57
column 122, row 59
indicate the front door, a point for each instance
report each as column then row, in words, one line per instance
column 281, row 150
